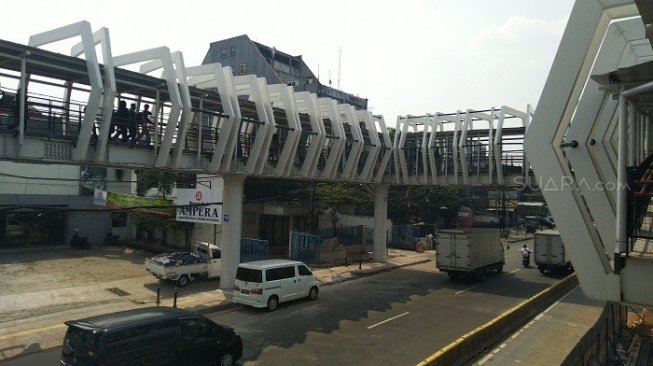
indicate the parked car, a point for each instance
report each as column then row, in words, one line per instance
column 269, row 282
column 535, row 221
column 151, row 336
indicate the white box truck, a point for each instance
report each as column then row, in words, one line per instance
column 550, row 253
column 184, row 267
column 469, row 252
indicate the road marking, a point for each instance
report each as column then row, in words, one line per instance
column 30, row 331
column 517, row 270
column 465, row 289
column 387, row 320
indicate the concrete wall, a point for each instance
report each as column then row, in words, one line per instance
column 11, row 183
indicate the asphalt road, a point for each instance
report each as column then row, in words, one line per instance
column 398, row 317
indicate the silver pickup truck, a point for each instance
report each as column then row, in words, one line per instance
column 183, row 267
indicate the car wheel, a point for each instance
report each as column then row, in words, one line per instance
column 273, row 302
column 183, row 281
column 542, row 269
column 226, row 360
column 313, row 293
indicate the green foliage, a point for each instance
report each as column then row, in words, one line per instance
column 163, row 181
column 333, row 198
column 413, row 204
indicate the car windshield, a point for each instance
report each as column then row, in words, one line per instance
column 249, row 275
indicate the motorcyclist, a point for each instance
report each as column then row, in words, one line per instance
column 526, row 255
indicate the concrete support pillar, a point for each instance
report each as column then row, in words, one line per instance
column 232, row 209
column 380, row 220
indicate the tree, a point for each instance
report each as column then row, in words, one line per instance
column 164, row 181
column 334, row 198
column 413, row 204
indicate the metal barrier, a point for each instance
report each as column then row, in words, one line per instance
column 404, row 237
column 305, row 247
column 253, row 250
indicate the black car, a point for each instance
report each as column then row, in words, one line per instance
column 149, row 336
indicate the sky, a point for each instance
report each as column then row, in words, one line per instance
column 408, row 57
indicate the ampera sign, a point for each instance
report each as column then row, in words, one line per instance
column 199, row 205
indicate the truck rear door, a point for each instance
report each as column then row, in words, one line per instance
column 557, row 250
column 445, row 254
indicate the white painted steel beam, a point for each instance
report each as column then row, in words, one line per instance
column 102, row 38
column 308, row 103
column 215, row 76
column 581, row 42
column 186, row 110
column 373, row 137
column 248, row 85
column 162, row 59
column 329, row 109
column 386, row 146
column 282, row 96
column 351, row 159
column 83, row 30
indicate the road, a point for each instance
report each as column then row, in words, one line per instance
column 394, row 318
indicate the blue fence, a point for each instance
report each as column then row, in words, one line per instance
column 404, row 237
column 305, row 247
column 349, row 235
column 253, row 250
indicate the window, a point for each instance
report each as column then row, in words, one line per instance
column 249, row 275
column 242, row 68
column 217, row 254
column 304, row 271
column 193, row 328
column 232, row 50
column 280, row 273
column 223, row 52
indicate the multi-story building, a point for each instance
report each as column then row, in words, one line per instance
column 248, row 57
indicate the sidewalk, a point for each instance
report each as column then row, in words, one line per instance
column 33, row 321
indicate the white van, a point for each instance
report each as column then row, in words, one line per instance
column 269, row 282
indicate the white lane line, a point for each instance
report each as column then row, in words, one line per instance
column 465, row 289
column 387, row 320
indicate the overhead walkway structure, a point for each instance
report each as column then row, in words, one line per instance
column 206, row 120
column 591, row 144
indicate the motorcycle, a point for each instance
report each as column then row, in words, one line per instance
column 526, row 259
column 80, row 242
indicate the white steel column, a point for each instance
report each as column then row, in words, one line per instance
column 380, row 220
column 620, row 227
column 232, row 208
column 632, row 133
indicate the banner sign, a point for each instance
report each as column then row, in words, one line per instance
column 100, row 197
column 139, row 204
column 201, row 205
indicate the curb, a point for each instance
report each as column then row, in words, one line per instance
column 470, row 345
column 372, row 271
column 358, row 273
